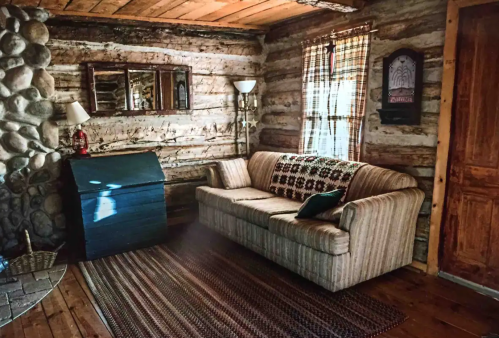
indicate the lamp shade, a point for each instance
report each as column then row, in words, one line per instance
column 245, row 87
column 76, row 114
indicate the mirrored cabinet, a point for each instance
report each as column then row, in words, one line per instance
column 138, row 89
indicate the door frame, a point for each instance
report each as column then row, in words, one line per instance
column 444, row 128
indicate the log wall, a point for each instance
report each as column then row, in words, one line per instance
column 184, row 143
column 417, row 24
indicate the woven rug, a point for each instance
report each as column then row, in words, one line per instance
column 203, row 285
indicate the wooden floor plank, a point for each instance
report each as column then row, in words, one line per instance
column 59, row 317
column 35, row 324
column 441, row 308
column 12, row 330
column 447, row 289
column 420, row 324
column 83, row 284
column 87, row 319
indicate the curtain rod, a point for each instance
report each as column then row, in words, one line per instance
column 350, row 29
column 332, row 34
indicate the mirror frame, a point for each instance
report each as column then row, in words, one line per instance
column 126, row 67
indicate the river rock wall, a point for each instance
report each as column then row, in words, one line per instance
column 29, row 162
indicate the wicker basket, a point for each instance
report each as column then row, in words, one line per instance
column 32, row 261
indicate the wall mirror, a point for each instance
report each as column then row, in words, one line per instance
column 138, row 89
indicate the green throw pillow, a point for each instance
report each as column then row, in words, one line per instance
column 318, row 203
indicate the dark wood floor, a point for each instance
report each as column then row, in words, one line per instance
column 68, row 311
column 436, row 308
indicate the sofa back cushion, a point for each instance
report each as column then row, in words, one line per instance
column 367, row 181
column 371, row 181
column 260, row 167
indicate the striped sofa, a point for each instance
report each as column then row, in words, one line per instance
column 374, row 235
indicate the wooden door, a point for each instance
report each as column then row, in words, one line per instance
column 471, row 228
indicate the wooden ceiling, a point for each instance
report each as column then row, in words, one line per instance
column 242, row 14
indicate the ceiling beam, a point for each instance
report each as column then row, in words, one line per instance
column 345, row 6
column 121, row 17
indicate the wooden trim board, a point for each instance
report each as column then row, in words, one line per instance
column 477, row 287
column 419, row 265
column 444, row 127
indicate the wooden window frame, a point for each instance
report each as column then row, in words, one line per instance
column 444, row 128
column 91, row 66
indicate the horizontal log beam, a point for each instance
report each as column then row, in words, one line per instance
column 124, row 19
column 344, row 6
column 280, row 138
column 61, row 28
column 385, row 155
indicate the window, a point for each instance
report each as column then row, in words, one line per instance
column 334, row 90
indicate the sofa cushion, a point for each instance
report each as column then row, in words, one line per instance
column 259, row 211
column 234, row 173
column 260, row 167
column 316, row 234
column 222, row 199
column 331, row 215
column 371, row 181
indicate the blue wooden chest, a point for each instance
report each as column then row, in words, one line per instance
column 117, row 204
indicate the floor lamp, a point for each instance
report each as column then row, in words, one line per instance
column 244, row 88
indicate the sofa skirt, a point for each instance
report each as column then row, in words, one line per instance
column 329, row 271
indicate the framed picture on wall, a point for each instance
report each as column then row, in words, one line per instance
column 402, row 87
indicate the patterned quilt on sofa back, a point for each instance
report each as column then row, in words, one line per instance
column 300, row 176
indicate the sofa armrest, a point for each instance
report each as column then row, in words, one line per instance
column 213, row 178
column 382, row 230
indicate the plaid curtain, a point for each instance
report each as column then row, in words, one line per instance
column 334, row 90
column 315, row 94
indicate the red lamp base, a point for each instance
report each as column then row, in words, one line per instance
column 80, row 143
column 82, row 151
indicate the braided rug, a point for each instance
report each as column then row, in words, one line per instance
column 203, row 285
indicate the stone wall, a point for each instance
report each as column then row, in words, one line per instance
column 416, row 24
column 29, row 163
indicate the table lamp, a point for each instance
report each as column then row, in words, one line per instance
column 76, row 115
